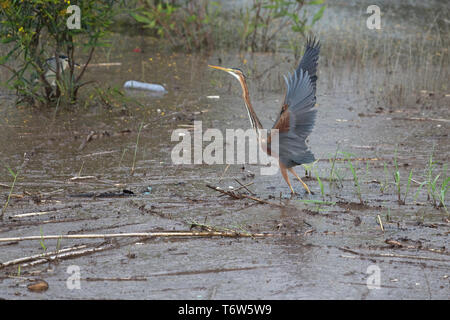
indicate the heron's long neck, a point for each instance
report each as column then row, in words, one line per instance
column 256, row 124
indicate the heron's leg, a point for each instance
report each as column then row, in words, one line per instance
column 286, row 177
column 296, row 175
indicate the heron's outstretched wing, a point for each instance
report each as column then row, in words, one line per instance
column 297, row 115
column 309, row 60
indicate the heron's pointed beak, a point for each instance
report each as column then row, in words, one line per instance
column 221, row 68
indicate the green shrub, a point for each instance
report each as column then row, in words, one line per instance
column 266, row 21
column 186, row 24
column 36, row 30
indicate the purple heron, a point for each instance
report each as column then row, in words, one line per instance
column 297, row 115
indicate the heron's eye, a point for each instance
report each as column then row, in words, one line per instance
column 240, row 71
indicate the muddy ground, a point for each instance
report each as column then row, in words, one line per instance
column 317, row 251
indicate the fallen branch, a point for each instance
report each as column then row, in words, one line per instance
column 67, row 255
column 32, row 214
column 238, row 196
column 232, row 234
column 98, row 153
column 229, row 193
column 133, row 278
column 244, row 186
column 85, row 141
column 82, row 178
column 352, row 159
column 103, row 64
column 239, row 188
column 262, row 201
column 380, row 223
column 398, row 244
column 419, row 119
column 391, row 255
column 39, row 256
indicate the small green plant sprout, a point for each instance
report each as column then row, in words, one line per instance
column 14, row 175
column 58, row 245
column 136, row 147
column 334, row 172
column 42, row 240
column 398, row 182
column 385, row 184
column 309, row 167
column 322, row 191
column 356, row 181
column 397, row 178
column 421, row 184
column 442, row 193
column 354, row 174
column 436, row 194
column 318, row 202
column 367, row 170
column 388, row 215
column 408, row 185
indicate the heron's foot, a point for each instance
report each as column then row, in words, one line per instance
column 302, row 195
column 304, row 185
column 299, row 179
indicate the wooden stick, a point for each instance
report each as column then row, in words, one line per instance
column 38, row 256
column 391, row 255
column 262, row 201
column 238, row 196
column 380, row 223
column 229, row 193
column 32, row 214
column 420, row 119
column 133, row 278
column 103, row 64
column 232, row 234
column 239, row 188
column 243, row 186
column 82, row 178
column 67, row 255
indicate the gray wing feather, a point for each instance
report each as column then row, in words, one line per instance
column 310, row 59
column 301, row 99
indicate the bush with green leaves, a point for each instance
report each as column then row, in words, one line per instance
column 266, row 21
column 198, row 24
column 187, row 24
column 35, row 30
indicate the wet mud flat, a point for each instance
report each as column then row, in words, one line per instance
column 75, row 182
column 108, row 171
